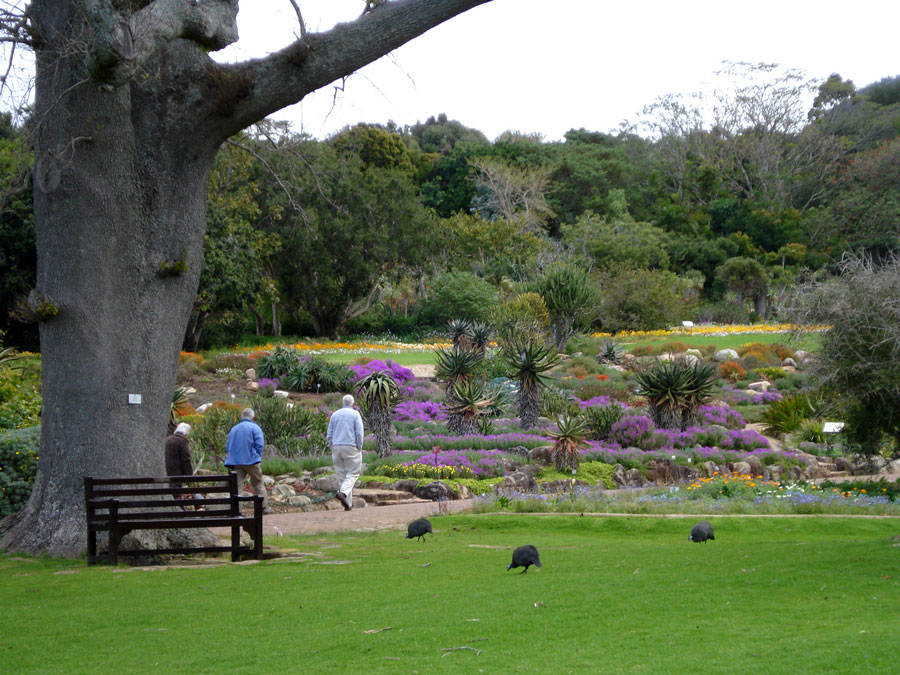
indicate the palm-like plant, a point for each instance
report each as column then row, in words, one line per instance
column 528, row 362
column 674, row 391
column 180, row 406
column 456, row 364
column 278, row 362
column 610, row 352
column 460, row 332
column 378, row 394
column 480, row 334
column 568, row 439
column 468, row 403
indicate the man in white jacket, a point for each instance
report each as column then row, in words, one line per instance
column 345, row 436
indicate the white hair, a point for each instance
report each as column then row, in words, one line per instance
column 347, row 400
column 248, row 414
column 183, row 429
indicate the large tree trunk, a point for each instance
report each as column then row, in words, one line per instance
column 129, row 111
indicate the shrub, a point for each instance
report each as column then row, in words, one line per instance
column 278, row 362
column 18, row 464
column 600, row 420
column 674, row 348
column 20, row 398
column 770, row 373
column 643, row 350
column 461, row 295
column 632, row 431
column 732, row 370
column 784, row 416
column 524, row 317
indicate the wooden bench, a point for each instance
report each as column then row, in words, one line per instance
column 120, row 505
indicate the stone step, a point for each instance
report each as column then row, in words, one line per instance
column 838, row 474
column 378, row 495
column 394, row 502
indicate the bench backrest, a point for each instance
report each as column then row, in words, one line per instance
column 139, row 497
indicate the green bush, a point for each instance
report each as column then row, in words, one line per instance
column 600, row 420
column 18, row 464
column 20, row 398
column 461, row 295
column 295, row 430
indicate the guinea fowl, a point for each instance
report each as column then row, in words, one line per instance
column 525, row 556
column 418, row 529
column 701, row 532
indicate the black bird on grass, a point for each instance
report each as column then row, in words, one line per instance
column 701, row 532
column 418, row 529
column 525, row 556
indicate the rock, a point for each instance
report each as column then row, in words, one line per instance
column 543, row 422
column 435, row 490
column 268, row 481
column 531, row 469
column 633, row 478
column 562, row 485
column 619, row 476
column 776, row 471
column 464, row 492
column 359, row 503
column 203, row 408
column 761, row 386
column 541, row 454
column 321, row 471
column 189, row 391
column 801, row 355
column 726, row 355
column 708, row 469
column 405, row 485
column 284, row 491
column 788, row 369
column 693, row 352
column 520, row 450
column 741, row 469
column 816, row 471
column 891, row 469
column 756, row 466
column 519, row 480
column 789, row 362
column 250, row 373
column 691, row 359
column 328, row 483
column 299, row 500
column 797, row 473
column 665, row 357
column 280, row 393
column 666, row 471
column 252, row 386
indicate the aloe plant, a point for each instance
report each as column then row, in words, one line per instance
column 568, row 439
column 610, row 352
column 470, row 401
column 460, row 332
column 529, row 362
column 480, row 335
column 378, row 394
column 674, row 391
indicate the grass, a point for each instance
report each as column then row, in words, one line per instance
column 614, row 595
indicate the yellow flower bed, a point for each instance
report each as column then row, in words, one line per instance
column 714, row 329
column 351, row 347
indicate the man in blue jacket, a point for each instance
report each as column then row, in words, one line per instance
column 245, row 447
column 345, row 436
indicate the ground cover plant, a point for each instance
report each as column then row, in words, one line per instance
column 448, row 605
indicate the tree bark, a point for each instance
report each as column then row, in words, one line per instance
column 129, row 117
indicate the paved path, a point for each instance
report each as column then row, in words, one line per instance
column 369, row 518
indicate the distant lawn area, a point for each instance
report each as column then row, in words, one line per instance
column 615, row 595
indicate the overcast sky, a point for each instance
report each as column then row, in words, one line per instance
column 547, row 66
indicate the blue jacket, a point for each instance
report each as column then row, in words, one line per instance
column 345, row 428
column 245, row 444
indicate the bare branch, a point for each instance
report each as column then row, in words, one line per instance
column 299, row 19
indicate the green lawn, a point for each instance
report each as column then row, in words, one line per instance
column 808, row 595
column 809, row 341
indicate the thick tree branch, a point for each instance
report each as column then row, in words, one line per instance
column 285, row 77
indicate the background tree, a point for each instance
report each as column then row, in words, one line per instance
column 748, row 279
column 858, row 358
column 569, row 297
column 131, row 111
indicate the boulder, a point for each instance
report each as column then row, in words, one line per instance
column 789, row 362
column 562, row 485
column 250, row 373
column 708, row 469
column 844, row 464
column 281, row 393
column 756, row 466
column 801, row 355
column 252, row 386
column 329, row 483
column 299, row 500
column 531, row 469
column 633, row 478
column 543, row 422
column 405, row 485
column 520, row 450
column 741, row 469
column 541, row 454
column 189, row 391
column 519, row 480
column 203, row 408
column 891, row 469
column 797, row 473
column 693, row 352
column 619, row 476
column 268, row 481
column 776, row 471
column 761, row 386
column 321, row 471
column 691, row 359
column 665, row 357
column 464, row 493
column 283, row 491
column 435, row 490
column 726, row 355
column 666, row 471
column 816, row 471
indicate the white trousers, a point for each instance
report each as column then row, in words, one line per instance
column 347, row 465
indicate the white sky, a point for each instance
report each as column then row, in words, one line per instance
column 547, row 66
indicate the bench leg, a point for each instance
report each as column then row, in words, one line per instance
column 235, row 543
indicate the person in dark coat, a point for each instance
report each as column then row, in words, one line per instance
column 178, row 452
